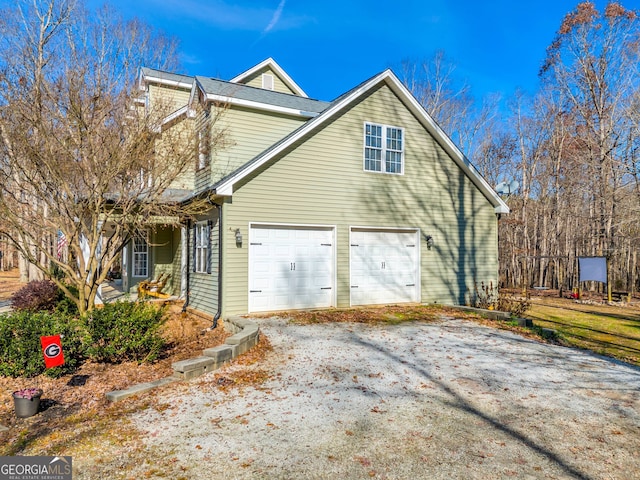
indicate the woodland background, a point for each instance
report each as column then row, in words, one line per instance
column 572, row 148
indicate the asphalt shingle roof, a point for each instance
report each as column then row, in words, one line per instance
column 212, row 86
column 173, row 77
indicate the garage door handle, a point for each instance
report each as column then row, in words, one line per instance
column 325, row 288
column 355, row 245
column 255, row 291
column 354, row 286
column 410, row 285
column 410, row 245
column 255, row 243
column 325, row 244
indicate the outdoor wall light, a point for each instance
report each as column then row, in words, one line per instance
column 238, row 238
column 429, row 240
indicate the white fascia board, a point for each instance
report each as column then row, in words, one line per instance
column 270, row 62
column 191, row 111
column 174, row 115
column 226, row 188
column 165, row 81
column 260, row 106
column 456, row 154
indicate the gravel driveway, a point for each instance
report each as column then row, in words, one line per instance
column 446, row 400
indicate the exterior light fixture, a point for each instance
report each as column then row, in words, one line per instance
column 429, row 240
column 238, row 238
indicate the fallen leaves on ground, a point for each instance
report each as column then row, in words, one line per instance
column 244, row 371
column 389, row 314
column 74, row 407
column 9, row 283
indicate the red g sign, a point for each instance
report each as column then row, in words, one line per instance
column 52, row 350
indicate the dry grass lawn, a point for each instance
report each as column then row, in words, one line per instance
column 611, row 330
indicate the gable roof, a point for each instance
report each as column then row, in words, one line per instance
column 245, row 95
column 225, row 186
column 270, row 63
column 165, row 78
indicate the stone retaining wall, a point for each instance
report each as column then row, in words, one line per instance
column 245, row 335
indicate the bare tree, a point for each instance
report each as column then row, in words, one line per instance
column 83, row 164
column 449, row 101
column 577, row 158
column 593, row 61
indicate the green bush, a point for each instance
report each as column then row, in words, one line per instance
column 65, row 305
column 125, row 331
column 20, row 348
column 115, row 333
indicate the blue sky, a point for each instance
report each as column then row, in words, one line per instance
column 329, row 46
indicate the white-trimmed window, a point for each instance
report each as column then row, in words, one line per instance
column 202, row 248
column 140, row 257
column 383, row 148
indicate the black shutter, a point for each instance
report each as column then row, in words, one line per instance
column 209, row 225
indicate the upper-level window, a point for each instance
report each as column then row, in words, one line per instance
column 383, row 148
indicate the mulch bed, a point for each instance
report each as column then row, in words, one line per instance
column 83, row 393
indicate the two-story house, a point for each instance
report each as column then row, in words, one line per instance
column 361, row 200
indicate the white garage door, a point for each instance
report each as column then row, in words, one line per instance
column 384, row 266
column 291, row 268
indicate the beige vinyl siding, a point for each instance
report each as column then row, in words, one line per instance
column 255, row 80
column 203, row 287
column 179, row 137
column 246, row 133
column 179, row 133
column 202, row 176
column 168, row 98
column 322, row 182
column 165, row 248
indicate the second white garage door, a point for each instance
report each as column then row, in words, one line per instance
column 384, row 266
column 291, row 267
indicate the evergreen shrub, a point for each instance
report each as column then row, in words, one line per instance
column 124, row 331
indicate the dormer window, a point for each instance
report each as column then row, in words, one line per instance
column 267, row 81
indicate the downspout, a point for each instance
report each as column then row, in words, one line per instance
column 219, row 312
column 186, row 295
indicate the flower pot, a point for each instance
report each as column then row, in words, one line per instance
column 26, row 405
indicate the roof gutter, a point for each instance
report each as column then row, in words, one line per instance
column 260, row 106
column 166, row 81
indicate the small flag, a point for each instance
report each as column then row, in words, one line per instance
column 62, row 242
column 52, row 350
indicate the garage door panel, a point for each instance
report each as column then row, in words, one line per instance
column 290, row 268
column 384, row 267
